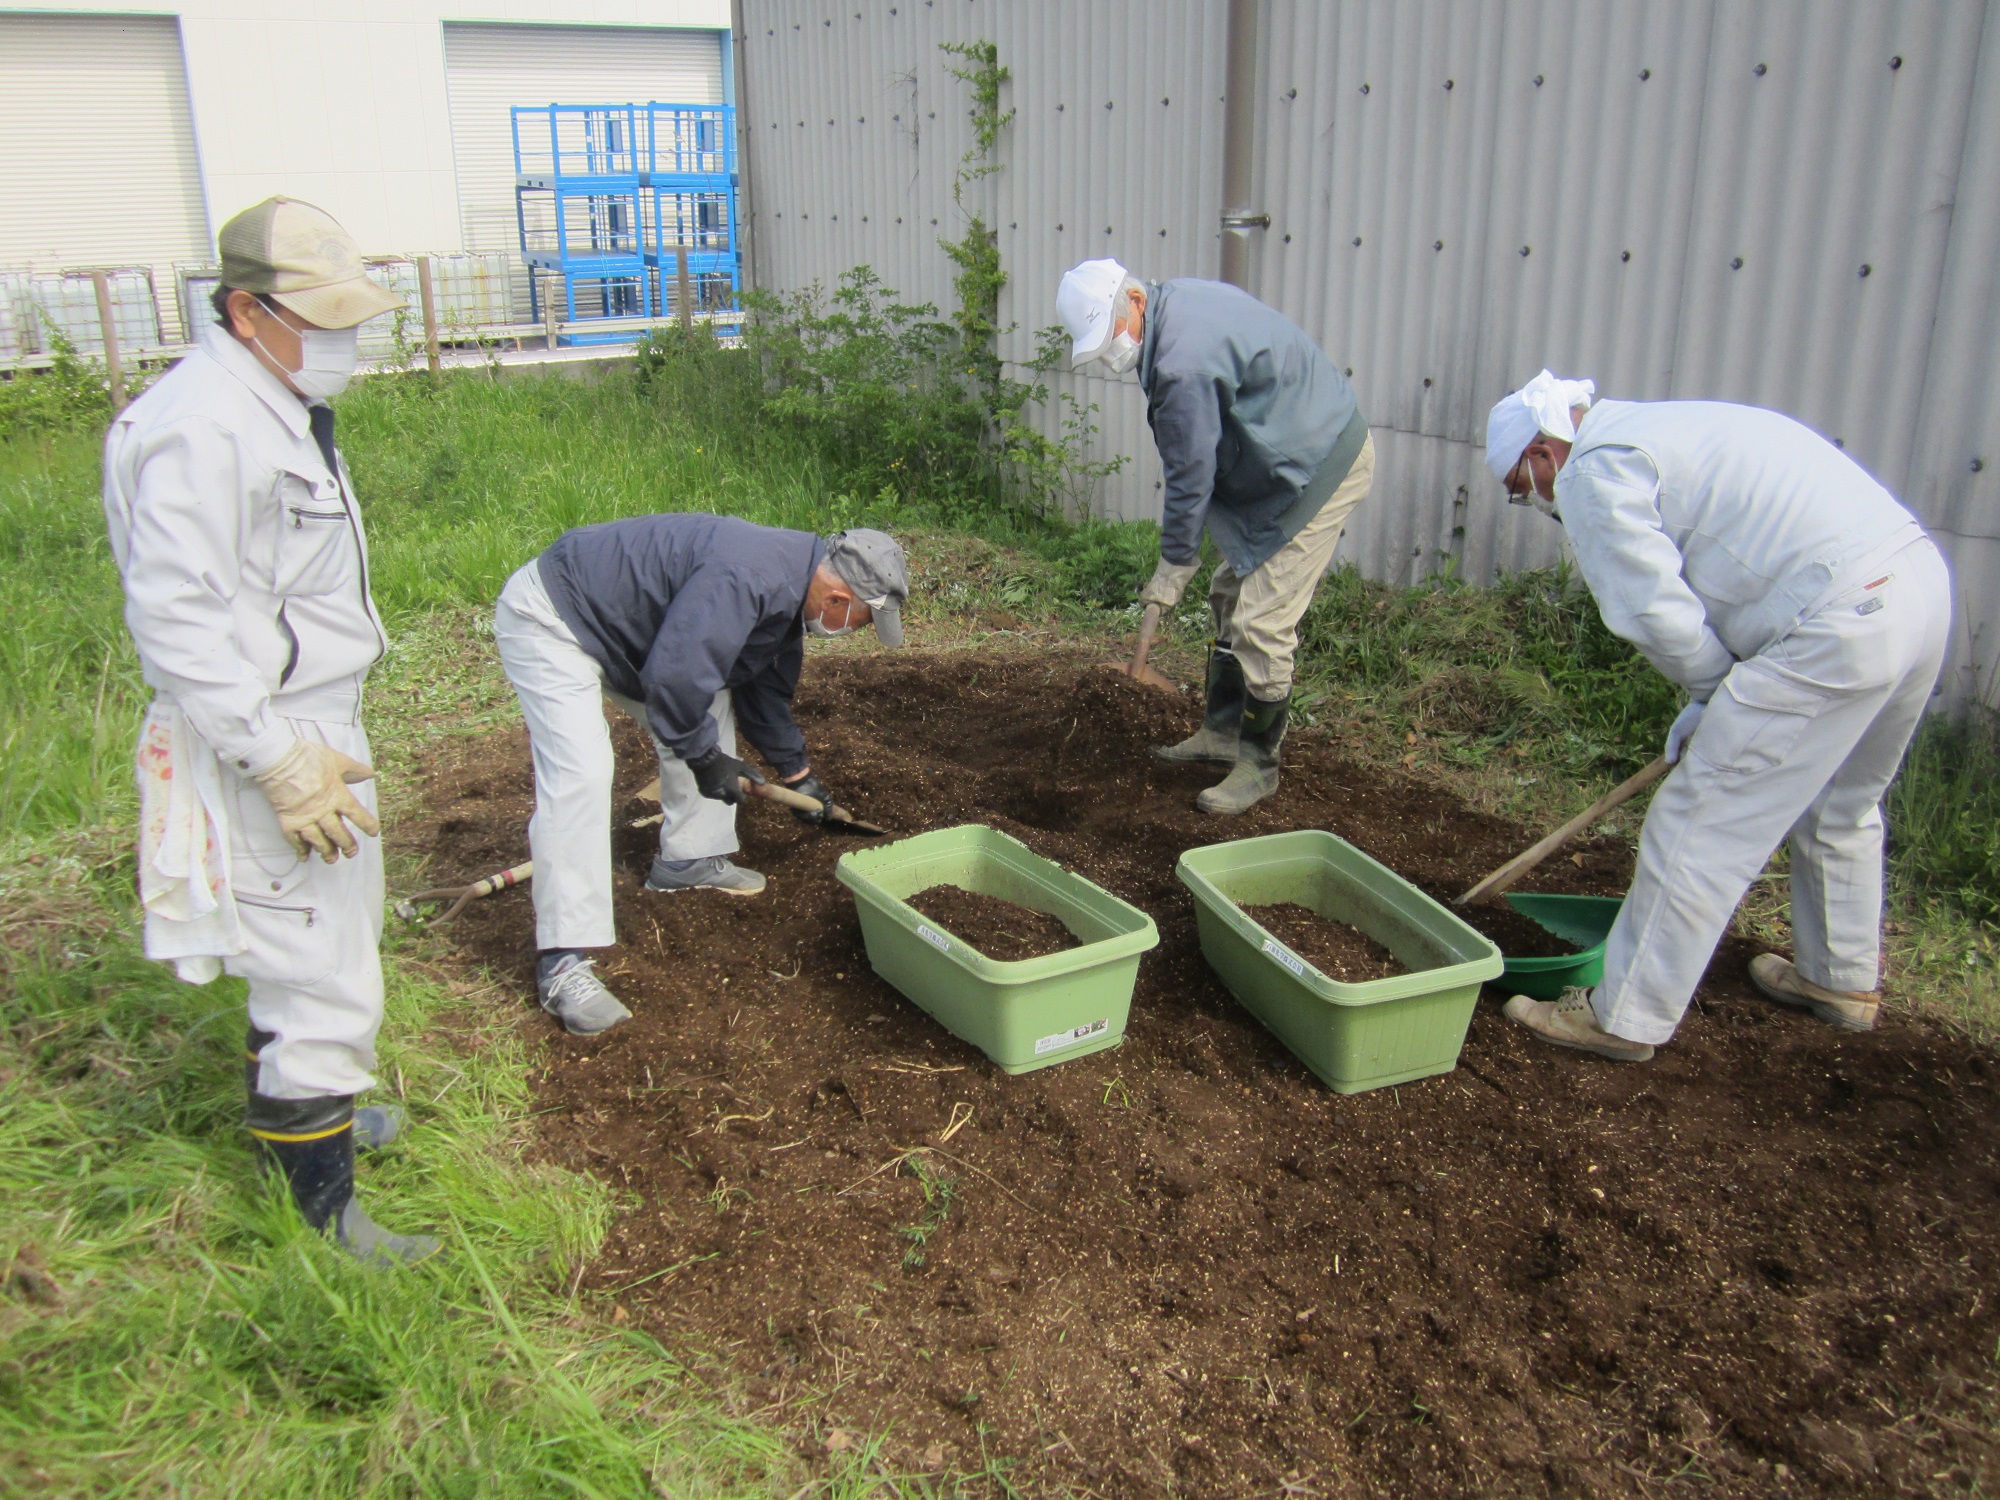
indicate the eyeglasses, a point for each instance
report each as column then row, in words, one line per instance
column 1520, row 480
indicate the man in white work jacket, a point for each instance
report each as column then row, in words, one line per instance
column 239, row 543
column 1805, row 612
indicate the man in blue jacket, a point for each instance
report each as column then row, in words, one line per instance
column 696, row 625
column 1263, row 445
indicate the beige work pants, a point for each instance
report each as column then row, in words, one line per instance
column 1257, row 614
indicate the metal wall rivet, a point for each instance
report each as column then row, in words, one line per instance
column 1644, row 74
column 1364, row 88
column 1866, row 269
column 1288, row 239
column 1524, row 251
column 1165, row 102
column 1624, row 255
column 1736, row 263
column 1291, row 93
column 1538, row 80
column 1449, row 85
column 1895, row 63
column 1437, row 244
column 1357, row 242
column 1059, row 109
column 1978, row 464
column 1760, row 70
column 1107, row 104
column 1427, row 382
column 1350, row 372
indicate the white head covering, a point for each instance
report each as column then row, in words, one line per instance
column 1542, row 405
column 1084, row 303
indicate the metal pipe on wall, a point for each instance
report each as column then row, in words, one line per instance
column 1239, row 138
column 746, row 237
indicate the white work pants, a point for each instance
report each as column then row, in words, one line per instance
column 1257, row 614
column 562, row 692
column 1801, row 740
column 314, row 931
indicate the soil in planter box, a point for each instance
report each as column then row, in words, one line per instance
column 1187, row 1267
column 1340, row 952
column 999, row 929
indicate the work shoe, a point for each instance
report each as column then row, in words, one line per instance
column 1255, row 774
column 1846, row 1009
column 1222, row 719
column 375, row 1125
column 311, row 1141
column 1570, row 1022
column 567, row 984
column 716, row 873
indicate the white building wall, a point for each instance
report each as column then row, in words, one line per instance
column 1675, row 197
column 345, row 106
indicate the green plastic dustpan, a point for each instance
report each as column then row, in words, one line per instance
column 1582, row 920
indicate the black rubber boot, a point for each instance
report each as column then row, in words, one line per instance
column 375, row 1125
column 312, row 1142
column 1255, row 774
column 1215, row 741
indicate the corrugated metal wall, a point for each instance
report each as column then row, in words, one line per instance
column 1787, row 202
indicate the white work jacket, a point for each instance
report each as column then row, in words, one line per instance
column 1708, row 531
column 242, row 556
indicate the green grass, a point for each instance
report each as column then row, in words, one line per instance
column 166, row 1328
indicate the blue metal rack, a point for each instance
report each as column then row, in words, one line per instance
column 609, row 197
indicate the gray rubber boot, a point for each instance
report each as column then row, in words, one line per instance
column 1215, row 741
column 312, row 1142
column 375, row 1125
column 1255, row 774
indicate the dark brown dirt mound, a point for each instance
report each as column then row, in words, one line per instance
column 1763, row 1262
column 1518, row 936
column 999, row 929
column 1338, row 951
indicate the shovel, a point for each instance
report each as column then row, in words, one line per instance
column 782, row 795
column 1525, row 861
column 1136, row 669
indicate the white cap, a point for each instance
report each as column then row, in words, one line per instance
column 1542, row 405
column 1084, row 302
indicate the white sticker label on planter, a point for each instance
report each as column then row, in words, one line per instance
column 1285, row 956
column 936, row 939
column 1075, row 1034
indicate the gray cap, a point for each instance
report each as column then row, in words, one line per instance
column 871, row 563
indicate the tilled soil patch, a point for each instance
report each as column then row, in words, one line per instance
column 1762, row 1264
column 1518, row 936
column 1338, row 951
column 999, row 929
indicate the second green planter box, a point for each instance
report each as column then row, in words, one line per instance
column 1354, row 1036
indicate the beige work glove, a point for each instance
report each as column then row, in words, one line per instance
column 308, row 791
column 1168, row 582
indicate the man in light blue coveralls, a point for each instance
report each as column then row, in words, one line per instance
column 1264, row 447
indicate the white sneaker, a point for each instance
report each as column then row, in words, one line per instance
column 716, row 873
column 1845, row 1009
column 1570, row 1022
column 574, row 995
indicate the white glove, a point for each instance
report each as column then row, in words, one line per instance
column 1168, row 582
column 307, row 789
column 1683, row 731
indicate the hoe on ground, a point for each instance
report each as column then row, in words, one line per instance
column 460, row 895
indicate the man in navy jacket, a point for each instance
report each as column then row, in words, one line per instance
column 696, row 625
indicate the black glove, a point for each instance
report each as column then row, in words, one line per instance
column 722, row 776
column 811, row 786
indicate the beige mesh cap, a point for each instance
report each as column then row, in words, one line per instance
column 296, row 255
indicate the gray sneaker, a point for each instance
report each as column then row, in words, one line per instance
column 716, row 873
column 574, row 995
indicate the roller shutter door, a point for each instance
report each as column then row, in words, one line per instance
column 97, row 151
column 491, row 68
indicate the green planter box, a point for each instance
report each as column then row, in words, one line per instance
column 1354, row 1036
column 1026, row 1014
column 1583, row 920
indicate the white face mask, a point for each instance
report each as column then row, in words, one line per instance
column 1123, row 353
column 818, row 627
column 328, row 358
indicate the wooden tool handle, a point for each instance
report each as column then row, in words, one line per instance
column 1522, row 863
column 1149, row 625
